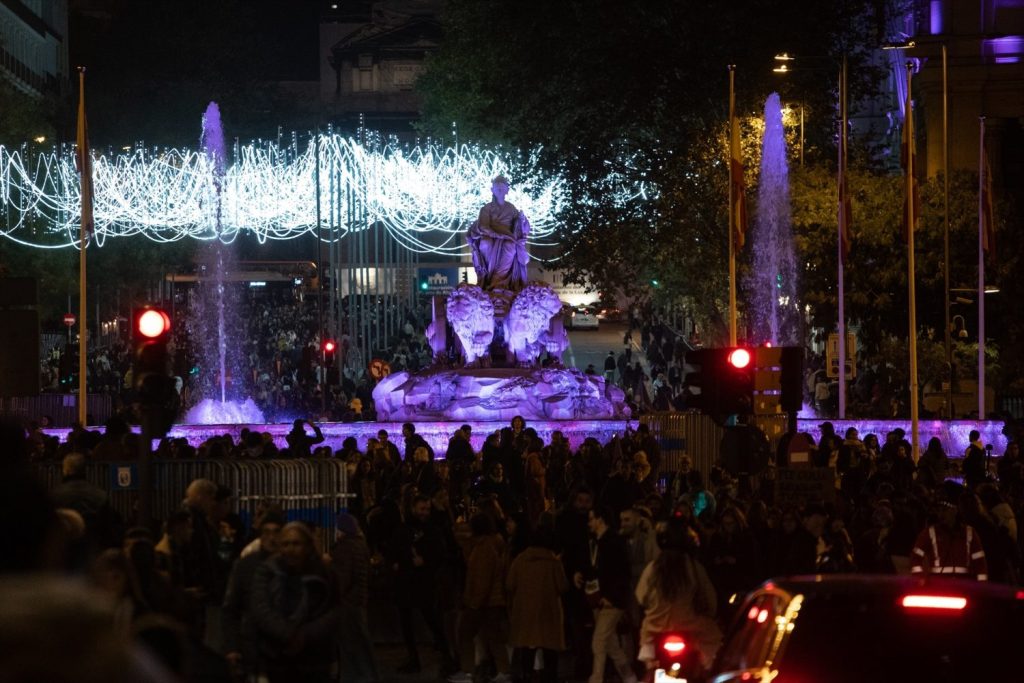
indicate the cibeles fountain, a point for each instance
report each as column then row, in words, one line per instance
column 497, row 345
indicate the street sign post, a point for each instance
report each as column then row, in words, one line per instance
column 832, row 355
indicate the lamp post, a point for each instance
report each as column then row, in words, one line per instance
column 945, row 232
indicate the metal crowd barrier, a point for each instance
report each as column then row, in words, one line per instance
column 62, row 409
column 309, row 490
column 680, row 434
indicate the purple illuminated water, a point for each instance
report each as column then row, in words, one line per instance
column 210, row 411
column 772, row 285
column 215, row 330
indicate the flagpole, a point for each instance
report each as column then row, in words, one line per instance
column 951, row 413
column 82, row 235
column 842, row 227
column 732, row 211
column 982, row 172
column 911, row 218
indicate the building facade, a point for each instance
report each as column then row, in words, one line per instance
column 371, row 55
column 34, row 45
column 984, row 42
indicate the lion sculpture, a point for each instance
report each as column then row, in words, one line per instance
column 527, row 325
column 471, row 314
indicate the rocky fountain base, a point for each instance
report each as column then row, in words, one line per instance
column 498, row 394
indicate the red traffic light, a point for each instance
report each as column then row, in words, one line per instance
column 153, row 323
column 739, row 358
column 329, row 346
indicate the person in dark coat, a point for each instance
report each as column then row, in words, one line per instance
column 294, row 608
column 535, row 583
column 731, row 557
column 932, row 467
column 300, row 443
column 238, row 632
column 414, row 441
column 605, row 584
column 350, row 559
column 460, row 458
column 417, row 553
column 974, row 466
column 102, row 523
column 495, row 484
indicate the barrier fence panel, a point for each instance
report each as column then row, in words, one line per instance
column 312, row 491
column 61, row 409
column 690, row 433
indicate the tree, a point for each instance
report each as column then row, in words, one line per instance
column 630, row 94
column 24, row 117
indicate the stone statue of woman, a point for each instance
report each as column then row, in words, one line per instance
column 498, row 241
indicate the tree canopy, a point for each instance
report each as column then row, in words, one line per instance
column 634, row 92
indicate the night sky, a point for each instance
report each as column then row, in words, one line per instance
column 154, row 65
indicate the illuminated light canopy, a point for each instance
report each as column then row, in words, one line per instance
column 423, row 196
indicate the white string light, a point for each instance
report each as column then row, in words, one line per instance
column 424, row 196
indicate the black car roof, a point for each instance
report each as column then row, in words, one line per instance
column 887, row 584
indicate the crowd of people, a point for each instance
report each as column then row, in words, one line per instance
column 279, row 363
column 524, row 560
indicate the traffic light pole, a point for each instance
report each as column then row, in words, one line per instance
column 145, row 474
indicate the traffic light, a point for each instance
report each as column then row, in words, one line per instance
column 329, row 346
column 791, row 396
column 721, row 382
column 767, row 380
column 151, row 370
column 696, row 382
column 778, row 380
column 740, row 380
column 736, row 382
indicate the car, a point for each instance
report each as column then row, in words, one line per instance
column 845, row 628
column 583, row 319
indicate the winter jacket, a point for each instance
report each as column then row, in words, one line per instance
column 535, row 583
column 286, row 606
column 485, row 572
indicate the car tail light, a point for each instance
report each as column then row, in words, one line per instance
column 943, row 602
column 673, row 644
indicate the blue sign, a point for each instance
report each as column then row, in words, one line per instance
column 124, row 477
column 437, row 281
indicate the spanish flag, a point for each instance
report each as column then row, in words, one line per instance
column 845, row 210
column 986, row 214
column 739, row 207
column 908, row 159
column 83, row 159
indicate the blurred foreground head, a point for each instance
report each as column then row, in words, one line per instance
column 57, row 630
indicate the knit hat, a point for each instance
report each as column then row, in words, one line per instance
column 347, row 524
column 950, row 494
